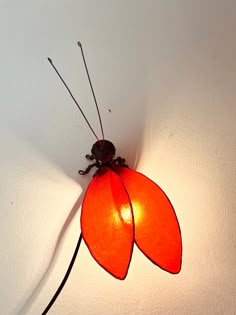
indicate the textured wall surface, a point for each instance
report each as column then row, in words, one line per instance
column 165, row 78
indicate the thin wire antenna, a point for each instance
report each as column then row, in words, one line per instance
column 55, row 296
column 72, row 96
column 91, row 86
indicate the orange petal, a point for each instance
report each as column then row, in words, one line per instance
column 157, row 231
column 107, row 223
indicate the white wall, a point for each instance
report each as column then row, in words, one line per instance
column 167, row 72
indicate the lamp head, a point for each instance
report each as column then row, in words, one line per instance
column 103, row 151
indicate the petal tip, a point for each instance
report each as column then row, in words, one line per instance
column 175, row 269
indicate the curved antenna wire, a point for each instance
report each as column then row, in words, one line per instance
column 72, row 96
column 55, row 296
column 91, row 86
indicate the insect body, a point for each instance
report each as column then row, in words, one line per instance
column 103, row 153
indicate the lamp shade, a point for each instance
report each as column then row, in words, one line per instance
column 122, row 207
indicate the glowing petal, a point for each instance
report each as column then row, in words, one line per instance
column 157, row 231
column 107, row 223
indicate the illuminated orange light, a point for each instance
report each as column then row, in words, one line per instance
column 111, row 226
column 126, row 214
column 137, row 211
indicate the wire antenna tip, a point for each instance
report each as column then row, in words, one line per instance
column 91, row 86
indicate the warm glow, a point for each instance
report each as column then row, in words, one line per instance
column 126, row 214
column 138, row 212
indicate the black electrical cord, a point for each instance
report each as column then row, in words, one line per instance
column 55, row 296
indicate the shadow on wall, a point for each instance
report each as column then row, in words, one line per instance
column 33, row 296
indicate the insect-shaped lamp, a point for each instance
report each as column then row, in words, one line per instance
column 121, row 208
